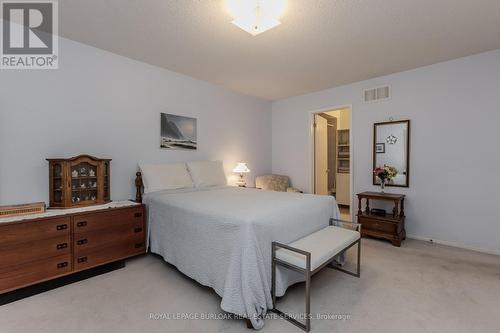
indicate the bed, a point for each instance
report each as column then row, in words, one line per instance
column 221, row 237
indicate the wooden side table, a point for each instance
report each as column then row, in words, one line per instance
column 386, row 226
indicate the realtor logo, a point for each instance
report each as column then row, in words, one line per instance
column 29, row 35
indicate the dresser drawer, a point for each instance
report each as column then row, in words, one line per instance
column 23, row 275
column 112, row 253
column 377, row 225
column 25, row 232
column 86, row 242
column 106, row 220
column 17, row 254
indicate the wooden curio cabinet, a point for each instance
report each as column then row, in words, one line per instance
column 79, row 181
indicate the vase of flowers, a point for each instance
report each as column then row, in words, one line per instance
column 385, row 174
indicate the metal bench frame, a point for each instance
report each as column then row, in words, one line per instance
column 308, row 273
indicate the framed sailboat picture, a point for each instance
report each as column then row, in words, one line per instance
column 178, row 132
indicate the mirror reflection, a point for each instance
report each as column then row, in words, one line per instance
column 392, row 148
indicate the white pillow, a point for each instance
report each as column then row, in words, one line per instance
column 157, row 177
column 207, row 173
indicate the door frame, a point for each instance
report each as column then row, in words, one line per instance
column 311, row 147
column 316, row 117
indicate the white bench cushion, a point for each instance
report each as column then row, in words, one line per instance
column 322, row 244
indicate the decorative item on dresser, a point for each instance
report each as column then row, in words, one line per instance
column 59, row 243
column 139, row 185
column 82, row 180
column 24, row 209
column 378, row 224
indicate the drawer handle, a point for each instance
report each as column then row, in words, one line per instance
column 62, row 246
column 138, row 215
column 138, row 229
column 82, row 224
column 138, row 245
column 81, row 259
column 62, row 265
column 82, row 241
column 62, row 227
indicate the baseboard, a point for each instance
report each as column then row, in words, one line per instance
column 455, row 244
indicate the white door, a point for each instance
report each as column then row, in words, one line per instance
column 320, row 155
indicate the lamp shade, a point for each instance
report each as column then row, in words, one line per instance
column 241, row 168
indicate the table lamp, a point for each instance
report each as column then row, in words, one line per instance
column 241, row 168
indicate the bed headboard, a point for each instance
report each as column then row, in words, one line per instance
column 139, row 185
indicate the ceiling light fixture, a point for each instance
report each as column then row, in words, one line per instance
column 256, row 16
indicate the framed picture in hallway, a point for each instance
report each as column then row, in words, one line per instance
column 178, row 132
column 380, row 148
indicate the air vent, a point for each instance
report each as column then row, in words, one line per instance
column 377, row 94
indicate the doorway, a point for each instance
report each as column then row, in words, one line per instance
column 333, row 157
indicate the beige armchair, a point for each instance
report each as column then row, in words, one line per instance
column 275, row 183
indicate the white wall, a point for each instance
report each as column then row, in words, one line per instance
column 106, row 105
column 454, row 189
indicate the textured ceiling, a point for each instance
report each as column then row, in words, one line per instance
column 320, row 43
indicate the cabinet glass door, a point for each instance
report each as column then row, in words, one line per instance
column 106, row 181
column 57, row 186
column 83, row 183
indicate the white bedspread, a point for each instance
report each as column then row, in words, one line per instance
column 221, row 237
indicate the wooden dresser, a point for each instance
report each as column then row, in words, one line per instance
column 38, row 249
column 387, row 226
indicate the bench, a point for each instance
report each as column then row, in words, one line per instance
column 310, row 254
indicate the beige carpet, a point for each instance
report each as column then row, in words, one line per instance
column 419, row 287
